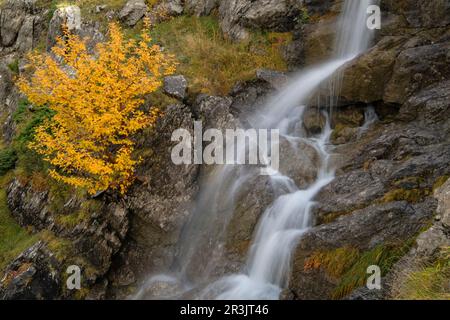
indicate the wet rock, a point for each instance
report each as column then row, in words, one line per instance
column 253, row 198
column 160, row 201
column 276, row 79
column 299, row 160
column 132, row 12
column 365, row 78
column 314, row 121
column 175, row 86
column 319, row 40
column 249, row 97
column 200, row 7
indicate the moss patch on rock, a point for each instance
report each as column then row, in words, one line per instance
column 348, row 266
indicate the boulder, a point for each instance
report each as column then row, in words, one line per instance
column 170, row 7
column 239, row 15
column 175, row 86
column 200, row 7
column 313, row 121
column 69, row 16
column 132, row 12
column 365, row 78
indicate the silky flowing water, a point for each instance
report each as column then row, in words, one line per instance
column 267, row 267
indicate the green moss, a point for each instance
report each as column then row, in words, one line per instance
column 413, row 195
column 13, row 238
column 212, row 63
column 440, row 182
column 14, row 66
column 87, row 209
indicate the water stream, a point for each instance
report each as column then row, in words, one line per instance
column 281, row 226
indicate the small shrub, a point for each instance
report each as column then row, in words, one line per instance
column 87, row 138
column 8, row 158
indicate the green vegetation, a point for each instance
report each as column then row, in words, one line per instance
column 430, row 282
column 440, row 182
column 14, row 66
column 8, row 158
column 349, row 265
column 212, row 63
column 13, row 239
column 413, row 195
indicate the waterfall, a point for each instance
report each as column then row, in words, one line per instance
column 289, row 216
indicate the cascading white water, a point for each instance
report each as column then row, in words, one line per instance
column 283, row 222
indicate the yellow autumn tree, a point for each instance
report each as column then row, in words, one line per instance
column 96, row 99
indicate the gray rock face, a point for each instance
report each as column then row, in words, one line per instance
column 35, row 274
column 21, row 24
column 237, row 15
column 171, row 7
column 132, row 12
column 95, row 239
column 160, row 201
column 416, row 69
column 275, row 78
column 425, row 14
column 175, row 86
column 70, row 17
column 200, row 7
column 427, row 247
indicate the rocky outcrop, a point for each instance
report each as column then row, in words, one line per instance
column 429, row 14
column 175, row 86
column 170, row 8
column 425, row 252
column 66, row 17
column 200, row 7
column 86, row 232
column 132, row 12
column 239, row 15
column 159, row 203
column 21, row 24
column 35, row 274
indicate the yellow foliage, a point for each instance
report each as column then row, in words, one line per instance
column 96, row 99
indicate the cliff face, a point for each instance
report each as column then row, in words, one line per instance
column 387, row 206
